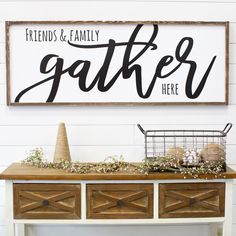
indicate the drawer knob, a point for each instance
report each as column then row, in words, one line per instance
column 192, row 201
column 45, row 202
column 120, row 203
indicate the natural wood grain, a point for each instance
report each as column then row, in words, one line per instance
column 227, row 63
column 191, row 200
column 17, row 171
column 47, row 201
column 9, row 23
column 7, row 29
column 119, row 201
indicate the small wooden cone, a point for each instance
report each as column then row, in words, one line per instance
column 62, row 151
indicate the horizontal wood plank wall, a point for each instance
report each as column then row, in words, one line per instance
column 23, row 128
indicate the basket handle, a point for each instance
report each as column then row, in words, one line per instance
column 141, row 128
column 227, row 128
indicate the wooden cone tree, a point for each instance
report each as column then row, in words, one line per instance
column 62, row 151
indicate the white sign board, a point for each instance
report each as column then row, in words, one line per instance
column 117, row 63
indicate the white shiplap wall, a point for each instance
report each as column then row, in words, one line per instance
column 96, row 132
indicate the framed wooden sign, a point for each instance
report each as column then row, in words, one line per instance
column 116, row 63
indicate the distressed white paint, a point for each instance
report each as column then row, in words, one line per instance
column 227, row 225
column 225, row 222
column 9, row 210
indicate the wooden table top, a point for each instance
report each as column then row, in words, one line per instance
column 18, row 171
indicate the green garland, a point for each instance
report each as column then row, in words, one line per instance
column 112, row 165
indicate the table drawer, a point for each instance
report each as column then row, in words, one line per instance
column 183, row 200
column 47, row 201
column 119, row 201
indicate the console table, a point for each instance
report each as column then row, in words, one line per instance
column 49, row 196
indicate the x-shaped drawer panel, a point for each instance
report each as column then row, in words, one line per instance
column 119, row 201
column 40, row 201
column 198, row 199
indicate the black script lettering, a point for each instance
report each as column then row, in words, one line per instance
column 43, row 67
column 128, row 68
column 137, row 69
column 57, row 75
column 101, row 75
column 165, row 61
column 193, row 66
column 58, row 72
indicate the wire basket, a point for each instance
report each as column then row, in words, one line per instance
column 190, row 147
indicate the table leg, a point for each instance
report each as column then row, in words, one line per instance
column 9, row 208
column 10, row 229
column 20, row 230
column 227, row 225
column 213, row 228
